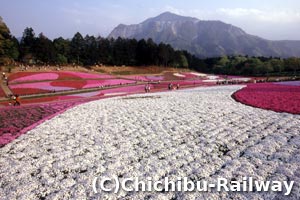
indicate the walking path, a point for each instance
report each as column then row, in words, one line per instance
column 5, row 89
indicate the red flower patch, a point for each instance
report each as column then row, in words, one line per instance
column 28, row 91
column 270, row 96
column 17, row 75
column 65, row 76
column 78, row 84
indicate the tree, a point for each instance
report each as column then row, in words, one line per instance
column 13, row 51
column 277, row 65
column 292, row 64
column 44, row 49
column 61, row 59
column 90, row 56
column 62, row 49
column 165, row 54
column 252, row 66
column 120, row 50
column 141, row 52
column 183, row 61
column 27, row 45
column 223, row 61
column 132, row 51
column 104, row 52
column 76, row 48
column 152, row 52
column 8, row 45
column 180, row 60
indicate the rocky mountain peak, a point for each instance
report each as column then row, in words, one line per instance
column 205, row 38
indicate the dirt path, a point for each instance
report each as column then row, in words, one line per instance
column 5, row 89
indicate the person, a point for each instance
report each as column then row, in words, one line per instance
column 11, row 101
column 170, row 86
column 17, row 100
column 177, row 86
column 148, row 88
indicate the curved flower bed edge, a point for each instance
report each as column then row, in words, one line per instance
column 234, row 97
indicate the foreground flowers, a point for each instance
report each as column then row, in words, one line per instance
column 15, row 121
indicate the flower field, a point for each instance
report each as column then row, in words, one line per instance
column 165, row 77
column 32, row 76
column 279, row 97
column 193, row 75
column 15, row 121
column 62, row 85
column 83, row 75
column 40, row 87
column 107, row 92
column 26, row 83
column 144, row 78
column 20, row 77
column 201, row 134
column 107, row 82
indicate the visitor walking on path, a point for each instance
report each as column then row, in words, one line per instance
column 147, row 88
column 17, row 100
column 170, row 86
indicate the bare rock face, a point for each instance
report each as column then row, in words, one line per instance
column 205, row 38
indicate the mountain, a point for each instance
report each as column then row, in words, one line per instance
column 205, row 38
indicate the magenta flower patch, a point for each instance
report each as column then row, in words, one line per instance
column 15, row 121
column 37, row 87
column 83, row 75
column 136, row 77
column 108, row 82
column 282, row 97
column 36, row 77
column 154, row 78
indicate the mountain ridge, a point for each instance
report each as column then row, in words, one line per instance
column 205, row 38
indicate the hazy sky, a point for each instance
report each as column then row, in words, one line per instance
column 270, row 19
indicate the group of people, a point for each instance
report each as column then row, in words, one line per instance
column 147, row 88
column 15, row 100
column 4, row 77
column 42, row 67
column 172, row 87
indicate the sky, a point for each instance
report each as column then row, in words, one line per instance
column 269, row 19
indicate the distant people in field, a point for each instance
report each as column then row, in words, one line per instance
column 16, row 100
column 170, row 86
column 147, row 88
column 177, row 86
column 6, row 80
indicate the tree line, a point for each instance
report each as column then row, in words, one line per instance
column 253, row 66
column 91, row 50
